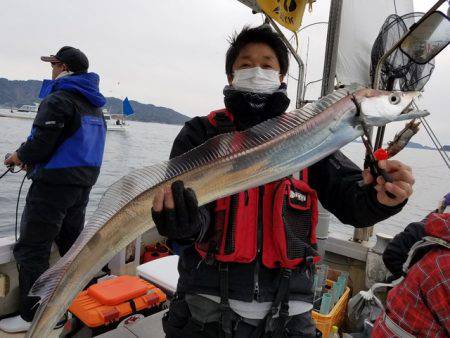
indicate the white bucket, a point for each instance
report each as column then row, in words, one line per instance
column 323, row 223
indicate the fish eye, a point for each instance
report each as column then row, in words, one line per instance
column 394, row 98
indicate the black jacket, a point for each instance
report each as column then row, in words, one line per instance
column 335, row 179
column 67, row 141
column 397, row 250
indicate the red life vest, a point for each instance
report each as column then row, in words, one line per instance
column 287, row 210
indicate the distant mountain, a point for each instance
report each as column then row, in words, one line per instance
column 418, row 146
column 16, row 93
column 146, row 112
column 446, row 147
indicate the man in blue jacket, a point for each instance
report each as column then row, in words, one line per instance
column 63, row 155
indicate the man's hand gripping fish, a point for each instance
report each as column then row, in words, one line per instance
column 222, row 166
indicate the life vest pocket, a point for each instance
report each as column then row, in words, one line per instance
column 294, row 221
column 235, row 229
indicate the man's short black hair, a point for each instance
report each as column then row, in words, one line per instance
column 261, row 34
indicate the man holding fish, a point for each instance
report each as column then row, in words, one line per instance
column 246, row 260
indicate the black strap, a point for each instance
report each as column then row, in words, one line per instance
column 281, row 301
column 283, row 317
column 226, row 316
column 133, row 306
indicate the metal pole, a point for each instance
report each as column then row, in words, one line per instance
column 306, row 70
column 329, row 73
column 329, row 67
column 301, row 66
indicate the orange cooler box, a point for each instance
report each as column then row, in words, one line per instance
column 109, row 301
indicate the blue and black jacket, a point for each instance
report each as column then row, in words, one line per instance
column 67, row 139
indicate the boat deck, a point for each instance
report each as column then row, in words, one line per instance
column 148, row 327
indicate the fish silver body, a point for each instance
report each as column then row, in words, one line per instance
column 223, row 165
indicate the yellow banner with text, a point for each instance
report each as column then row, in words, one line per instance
column 288, row 13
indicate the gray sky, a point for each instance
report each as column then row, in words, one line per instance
column 167, row 52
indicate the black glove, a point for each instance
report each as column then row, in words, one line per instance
column 187, row 220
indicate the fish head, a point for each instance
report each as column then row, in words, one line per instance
column 379, row 107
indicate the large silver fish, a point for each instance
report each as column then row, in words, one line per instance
column 222, row 166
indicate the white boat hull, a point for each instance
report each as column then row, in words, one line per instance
column 17, row 114
column 116, row 128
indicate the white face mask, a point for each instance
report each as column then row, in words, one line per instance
column 256, row 80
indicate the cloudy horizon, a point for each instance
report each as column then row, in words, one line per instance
column 166, row 53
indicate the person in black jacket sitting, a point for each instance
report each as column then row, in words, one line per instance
column 62, row 155
column 235, row 279
column 396, row 253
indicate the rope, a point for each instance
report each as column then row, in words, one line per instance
column 11, row 170
column 17, row 204
column 292, row 77
column 434, row 139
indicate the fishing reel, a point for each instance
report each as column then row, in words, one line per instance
column 12, row 166
column 9, row 166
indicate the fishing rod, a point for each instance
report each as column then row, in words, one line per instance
column 11, row 170
column 17, row 206
column 4, row 174
column 10, row 167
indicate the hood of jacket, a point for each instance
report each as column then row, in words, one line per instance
column 85, row 84
column 438, row 225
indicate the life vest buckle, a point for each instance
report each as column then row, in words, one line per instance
column 209, row 259
column 284, row 309
column 286, row 273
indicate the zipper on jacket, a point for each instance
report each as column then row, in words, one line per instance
column 232, row 219
column 259, row 240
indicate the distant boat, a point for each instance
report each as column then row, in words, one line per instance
column 29, row 108
column 116, row 122
column 24, row 112
column 113, row 122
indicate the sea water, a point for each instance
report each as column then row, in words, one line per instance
column 145, row 144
